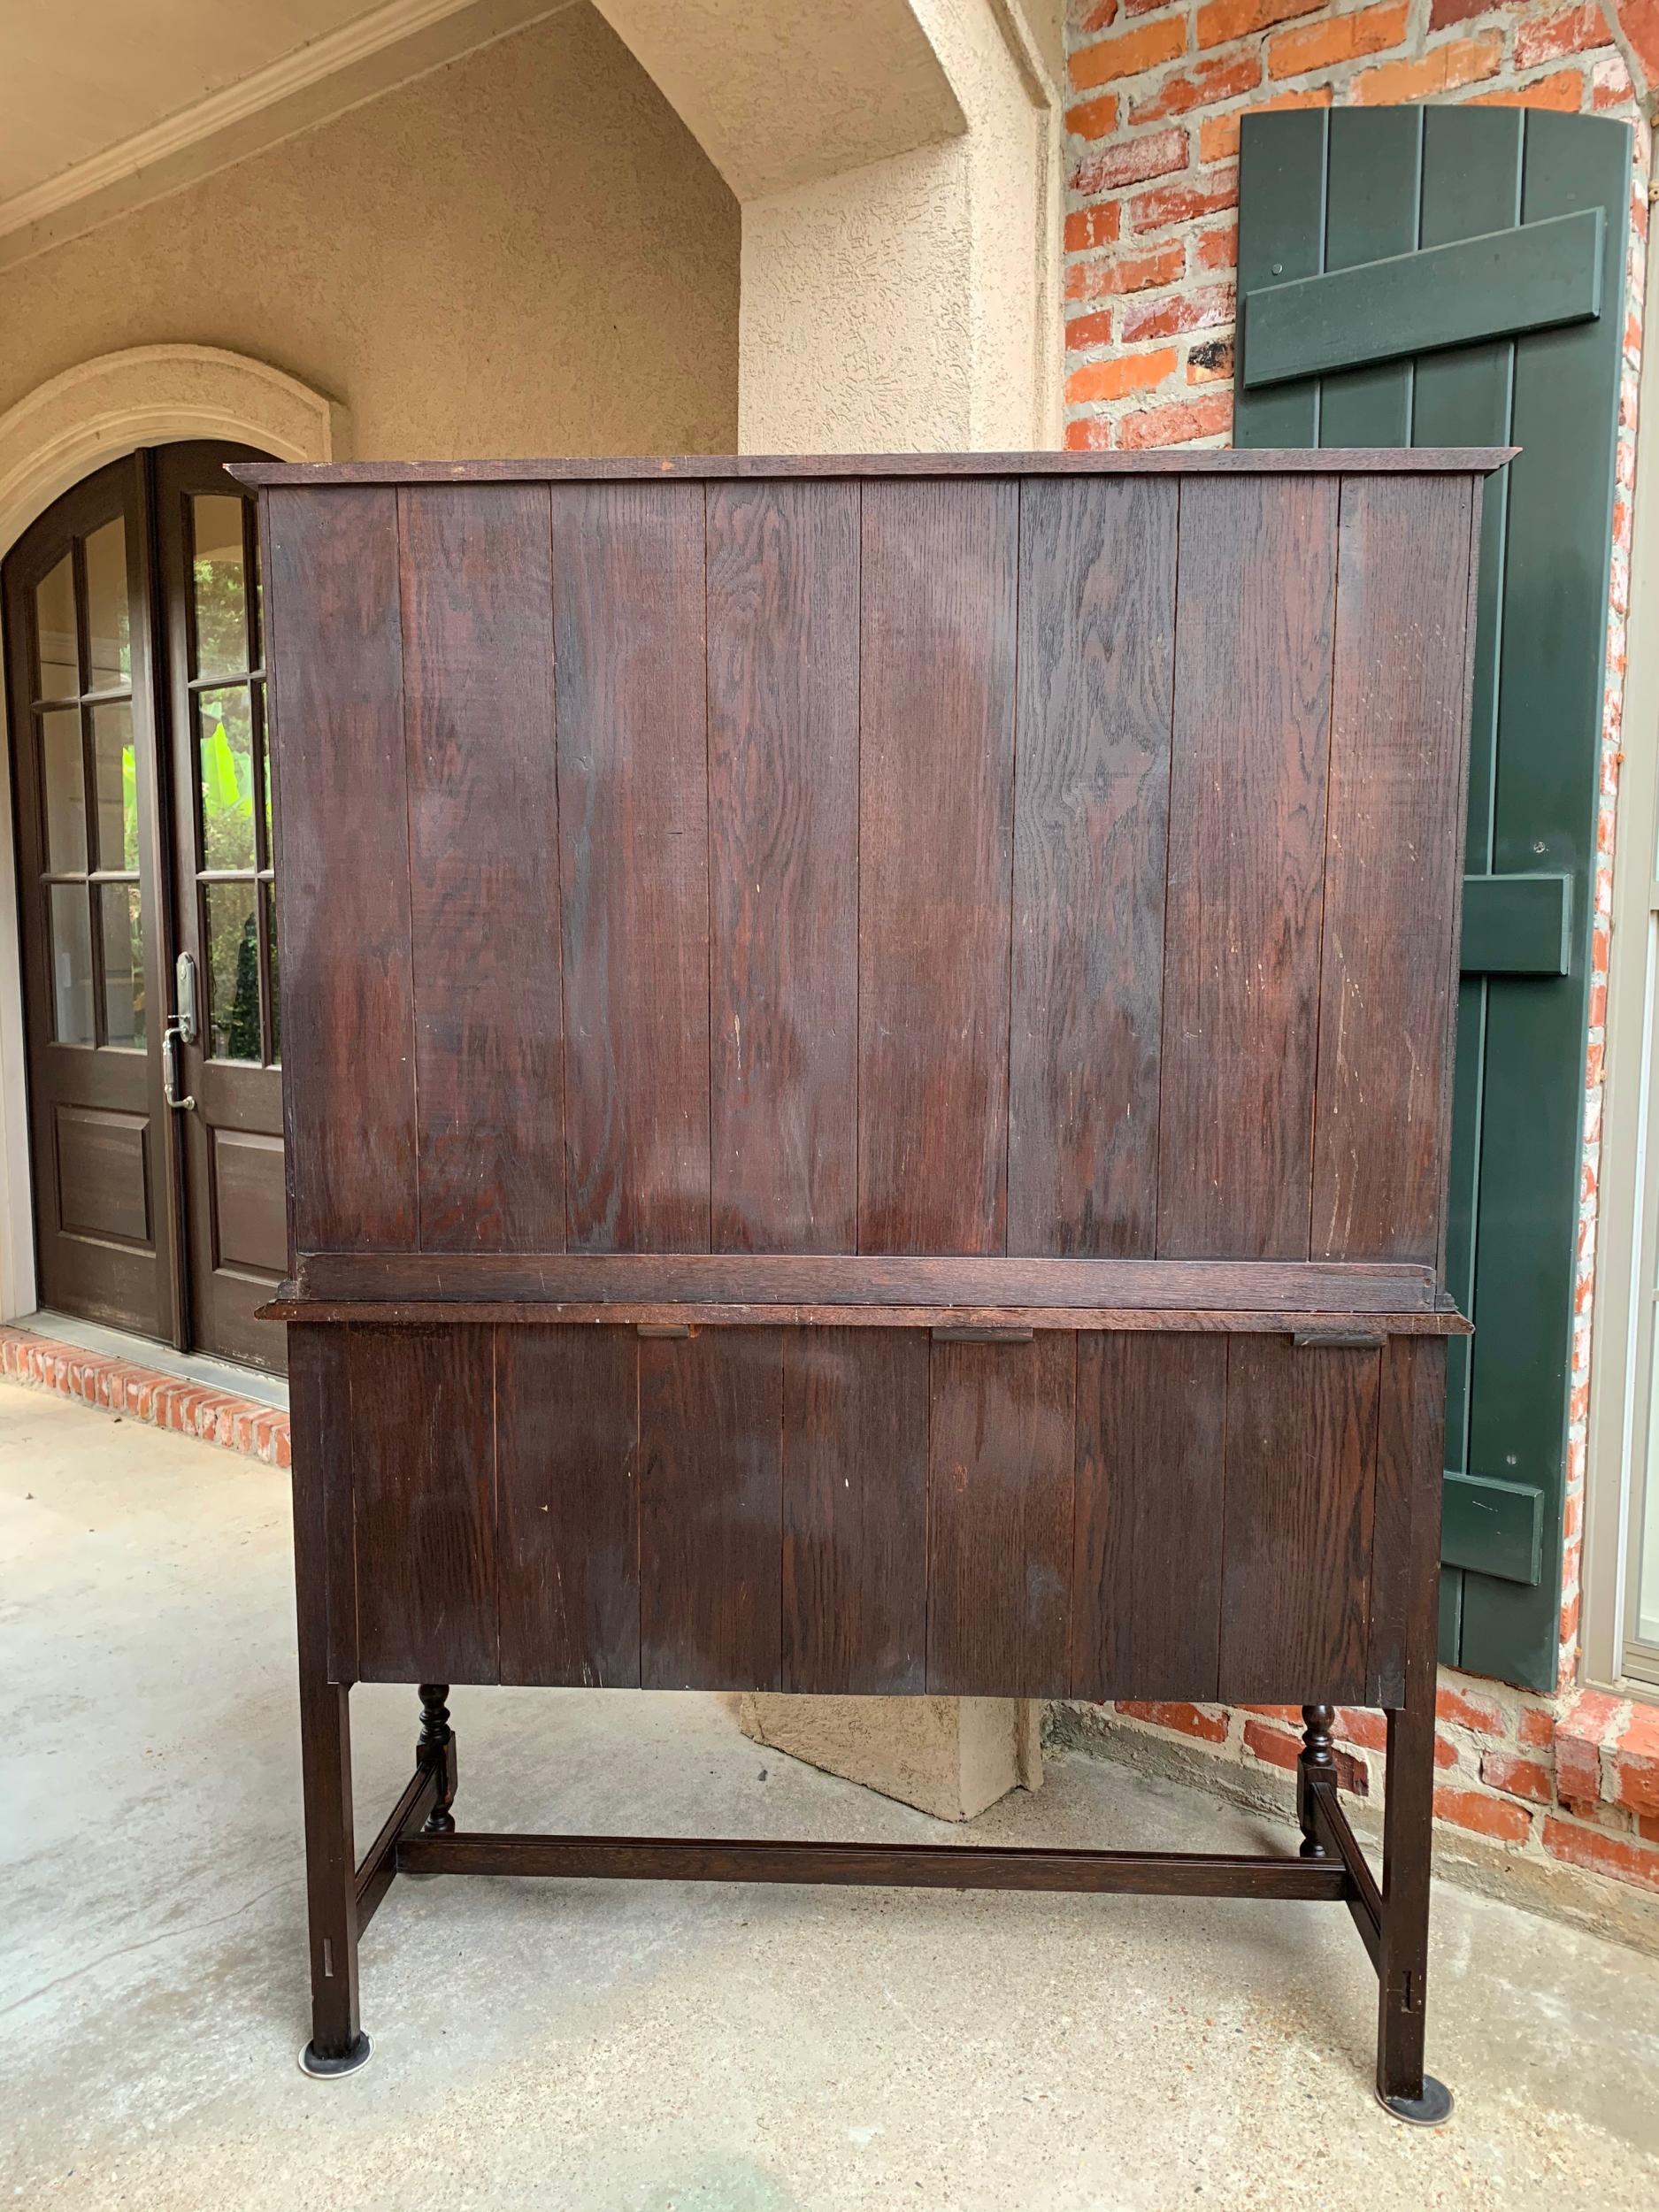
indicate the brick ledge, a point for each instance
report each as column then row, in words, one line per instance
column 143, row 1394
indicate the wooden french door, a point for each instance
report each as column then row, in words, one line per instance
column 134, row 677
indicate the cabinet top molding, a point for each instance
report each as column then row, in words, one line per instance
column 1166, row 461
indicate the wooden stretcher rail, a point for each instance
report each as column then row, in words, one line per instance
column 859, row 1279
column 905, row 1866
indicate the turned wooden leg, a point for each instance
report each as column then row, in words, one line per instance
column 338, row 2044
column 1317, row 1760
column 436, row 1750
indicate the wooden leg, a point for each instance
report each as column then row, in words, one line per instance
column 1413, row 1417
column 436, row 1750
column 338, row 2044
column 1318, row 1759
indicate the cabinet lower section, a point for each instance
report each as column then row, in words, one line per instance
column 871, row 1511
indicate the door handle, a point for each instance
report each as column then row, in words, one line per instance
column 170, row 1037
column 184, row 996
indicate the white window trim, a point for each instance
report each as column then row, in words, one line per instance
column 1627, row 1229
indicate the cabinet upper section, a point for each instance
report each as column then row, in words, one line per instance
column 1014, row 855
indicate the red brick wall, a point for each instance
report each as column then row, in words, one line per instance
column 1157, row 91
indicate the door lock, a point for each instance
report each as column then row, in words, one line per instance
column 170, row 1040
column 184, row 996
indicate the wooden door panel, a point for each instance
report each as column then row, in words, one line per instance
column 855, row 1511
column 1096, row 669
column 631, row 708
column 783, row 828
column 423, row 1485
column 567, row 1442
column 1145, row 1607
column 1300, row 1455
column 710, row 1510
column 1001, row 1451
column 80, row 690
column 475, row 565
column 1245, row 867
column 939, row 565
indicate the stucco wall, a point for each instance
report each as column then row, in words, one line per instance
column 523, row 252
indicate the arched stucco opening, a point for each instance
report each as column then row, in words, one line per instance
column 53, row 437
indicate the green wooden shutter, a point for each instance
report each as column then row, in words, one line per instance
column 1455, row 276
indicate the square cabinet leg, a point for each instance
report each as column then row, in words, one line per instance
column 338, row 2044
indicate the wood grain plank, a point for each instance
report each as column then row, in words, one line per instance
column 567, row 1434
column 935, row 831
column 1000, row 1480
column 633, row 767
column 711, row 1511
column 1301, row 1457
column 1247, row 861
column 1146, row 1591
column 783, row 814
column 347, row 1013
column 423, row 1466
column 475, row 568
column 1092, row 783
column 855, row 1511
column 1405, row 1523
column 1393, row 868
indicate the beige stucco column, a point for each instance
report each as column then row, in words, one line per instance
column 897, row 163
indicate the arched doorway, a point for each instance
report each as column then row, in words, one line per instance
column 135, row 678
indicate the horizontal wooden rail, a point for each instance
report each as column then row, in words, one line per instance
column 904, row 1866
column 860, row 1278
column 1362, row 1895
column 1169, row 461
column 989, row 1321
column 378, row 1864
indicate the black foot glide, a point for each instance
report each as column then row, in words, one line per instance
column 331, row 2069
column 1430, row 2110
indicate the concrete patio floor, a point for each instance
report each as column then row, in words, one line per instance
column 666, row 2048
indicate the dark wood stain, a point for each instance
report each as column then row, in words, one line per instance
column 633, row 863
column 347, row 1005
column 783, row 833
column 936, row 822
column 1096, row 665
column 475, row 568
column 855, row 1511
column 710, row 1510
column 567, row 1438
column 1398, row 772
column 1246, row 868
column 1001, row 1480
column 1146, row 1606
column 423, row 1474
column 1301, row 1455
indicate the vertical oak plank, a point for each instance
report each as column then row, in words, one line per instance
column 1382, row 1121
column 423, row 1459
column 475, row 567
column 633, row 863
column 1405, row 1523
column 935, row 828
column 783, row 816
column 347, row 1013
column 855, row 1511
column 710, row 1510
column 1301, row 1458
column 1146, row 1588
column 566, row 1431
column 1247, row 865
column 1092, row 786
column 1001, row 1477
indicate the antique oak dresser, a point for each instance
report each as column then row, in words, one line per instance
column 867, row 1051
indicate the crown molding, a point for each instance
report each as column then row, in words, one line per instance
column 390, row 45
